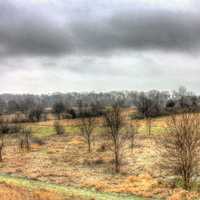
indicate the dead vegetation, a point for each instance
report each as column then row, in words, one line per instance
column 63, row 159
column 11, row 192
column 180, row 146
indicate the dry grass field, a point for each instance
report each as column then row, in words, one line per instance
column 10, row 192
column 64, row 160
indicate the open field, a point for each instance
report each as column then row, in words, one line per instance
column 63, row 160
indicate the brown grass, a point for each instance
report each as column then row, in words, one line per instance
column 180, row 194
column 143, row 185
column 64, row 160
column 10, row 192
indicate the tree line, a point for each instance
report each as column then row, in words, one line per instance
column 149, row 104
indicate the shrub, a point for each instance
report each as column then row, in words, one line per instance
column 59, row 128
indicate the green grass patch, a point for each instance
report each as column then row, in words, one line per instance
column 155, row 129
column 72, row 129
column 42, row 131
column 66, row 191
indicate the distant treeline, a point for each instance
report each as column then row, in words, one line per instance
column 151, row 103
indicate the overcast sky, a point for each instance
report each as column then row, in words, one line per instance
column 99, row 45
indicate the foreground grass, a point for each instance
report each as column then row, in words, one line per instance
column 66, row 191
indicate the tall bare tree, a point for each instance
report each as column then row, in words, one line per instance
column 180, row 147
column 87, row 124
column 114, row 122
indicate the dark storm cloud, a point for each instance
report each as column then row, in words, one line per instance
column 28, row 31
column 161, row 30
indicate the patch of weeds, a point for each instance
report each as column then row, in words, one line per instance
column 178, row 182
column 2, row 165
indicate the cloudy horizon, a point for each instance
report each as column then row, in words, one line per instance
column 83, row 45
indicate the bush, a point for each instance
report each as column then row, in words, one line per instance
column 7, row 128
column 37, row 140
column 67, row 116
column 59, row 128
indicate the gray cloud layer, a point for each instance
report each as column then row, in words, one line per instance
column 25, row 31
column 59, row 45
column 140, row 31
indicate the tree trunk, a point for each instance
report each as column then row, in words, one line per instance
column 1, row 148
column 132, row 141
column 89, row 145
column 21, row 143
column 117, row 161
column 27, row 142
column 149, row 125
column 186, row 181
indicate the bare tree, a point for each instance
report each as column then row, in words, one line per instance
column 24, row 137
column 35, row 114
column 87, row 124
column 4, row 129
column 180, row 147
column 146, row 107
column 27, row 132
column 149, row 124
column 1, row 144
column 132, row 131
column 58, row 109
column 114, row 122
